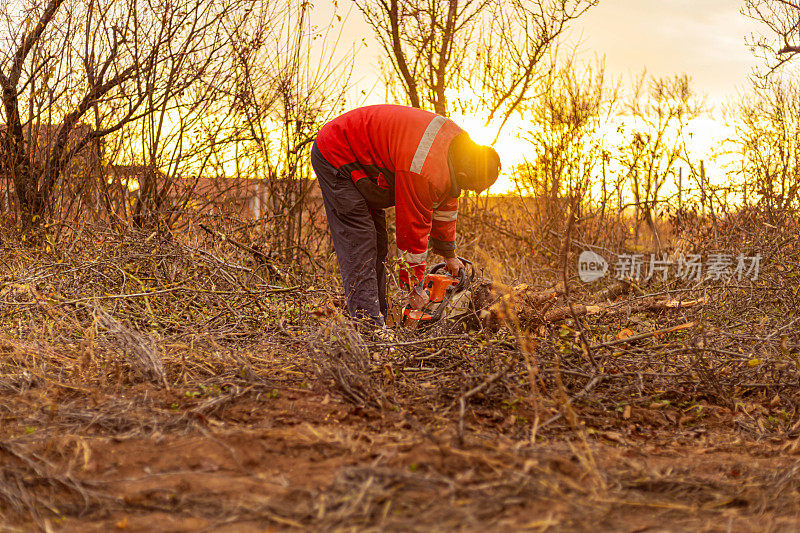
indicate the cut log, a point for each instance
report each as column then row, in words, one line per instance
column 523, row 305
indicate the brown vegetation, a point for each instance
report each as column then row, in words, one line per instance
column 168, row 377
column 172, row 350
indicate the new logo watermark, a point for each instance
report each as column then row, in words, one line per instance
column 591, row 266
column 689, row 267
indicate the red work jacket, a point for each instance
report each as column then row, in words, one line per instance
column 398, row 155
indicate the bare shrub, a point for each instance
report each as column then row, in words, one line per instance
column 138, row 349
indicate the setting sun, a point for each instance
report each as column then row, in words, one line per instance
column 509, row 144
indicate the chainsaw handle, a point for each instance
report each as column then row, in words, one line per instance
column 462, row 281
column 438, row 266
column 462, row 275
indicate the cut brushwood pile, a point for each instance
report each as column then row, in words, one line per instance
column 162, row 378
column 500, row 304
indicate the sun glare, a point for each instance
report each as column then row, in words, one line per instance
column 704, row 136
column 509, row 144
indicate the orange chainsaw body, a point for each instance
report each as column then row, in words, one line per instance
column 436, row 285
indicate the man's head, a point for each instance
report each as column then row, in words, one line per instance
column 475, row 167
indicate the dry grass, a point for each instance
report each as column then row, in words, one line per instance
column 150, row 340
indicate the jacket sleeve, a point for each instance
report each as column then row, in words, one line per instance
column 413, row 216
column 443, row 230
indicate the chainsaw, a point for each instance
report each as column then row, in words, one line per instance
column 448, row 296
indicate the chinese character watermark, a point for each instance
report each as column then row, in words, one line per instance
column 690, row 268
column 718, row 266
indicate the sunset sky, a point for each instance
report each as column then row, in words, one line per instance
column 702, row 38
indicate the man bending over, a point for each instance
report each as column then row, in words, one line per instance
column 374, row 157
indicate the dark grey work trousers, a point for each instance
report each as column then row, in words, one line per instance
column 359, row 238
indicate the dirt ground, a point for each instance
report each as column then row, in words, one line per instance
column 153, row 385
column 285, row 458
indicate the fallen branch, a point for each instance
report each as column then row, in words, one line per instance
column 462, row 400
column 647, row 335
column 260, row 256
column 534, row 307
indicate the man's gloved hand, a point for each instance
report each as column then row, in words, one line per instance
column 453, row 265
column 418, row 297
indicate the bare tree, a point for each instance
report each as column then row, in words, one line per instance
column 491, row 46
column 105, row 62
column 782, row 42
column 565, row 133
column 289, row 78
column 566, row 150
column 659, row 112
column 768, row 134
column 185, row 126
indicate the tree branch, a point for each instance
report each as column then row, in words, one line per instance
column 30, row 39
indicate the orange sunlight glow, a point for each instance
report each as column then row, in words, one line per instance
column 705, row 137
column 509, row 145
column 706, row 140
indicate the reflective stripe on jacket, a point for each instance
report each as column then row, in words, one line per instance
column 397, row 155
